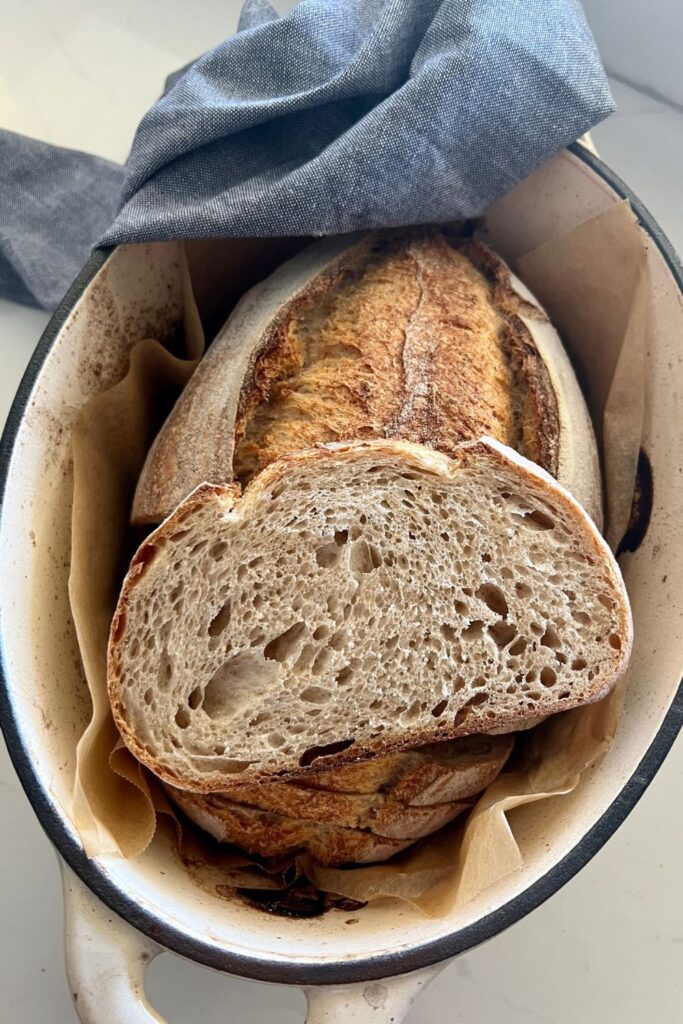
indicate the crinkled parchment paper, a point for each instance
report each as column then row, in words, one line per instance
column 595, row 285
column 113, row 803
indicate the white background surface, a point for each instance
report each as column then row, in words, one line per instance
column 641, row 42
column 609, row 947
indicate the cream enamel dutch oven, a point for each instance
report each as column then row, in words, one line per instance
column 369, row 971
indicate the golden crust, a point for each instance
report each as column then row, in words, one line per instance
column 269, row 834
column 396, row 788
column 408, row 336
column 272, row 834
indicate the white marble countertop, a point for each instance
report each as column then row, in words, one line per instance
column 606, row 948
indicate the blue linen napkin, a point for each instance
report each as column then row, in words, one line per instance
column 344, row 114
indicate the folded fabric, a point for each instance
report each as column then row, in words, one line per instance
column 54, row 205
column 346, row 114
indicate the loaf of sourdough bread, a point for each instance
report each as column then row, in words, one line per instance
column 408, row 334
column 357, row 600
column 413, row 334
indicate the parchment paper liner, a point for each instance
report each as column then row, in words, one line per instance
column 594, row 283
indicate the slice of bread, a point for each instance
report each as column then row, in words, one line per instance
column 360, row 599
column 410, row 334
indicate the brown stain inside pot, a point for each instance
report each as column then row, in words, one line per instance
column 278, row 887
column 300, row 900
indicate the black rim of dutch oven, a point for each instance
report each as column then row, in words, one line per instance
column 369, row 968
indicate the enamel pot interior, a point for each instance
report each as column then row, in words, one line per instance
column 45, row 705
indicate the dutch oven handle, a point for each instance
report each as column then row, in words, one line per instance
column 374, row 1002
column 106, row 960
